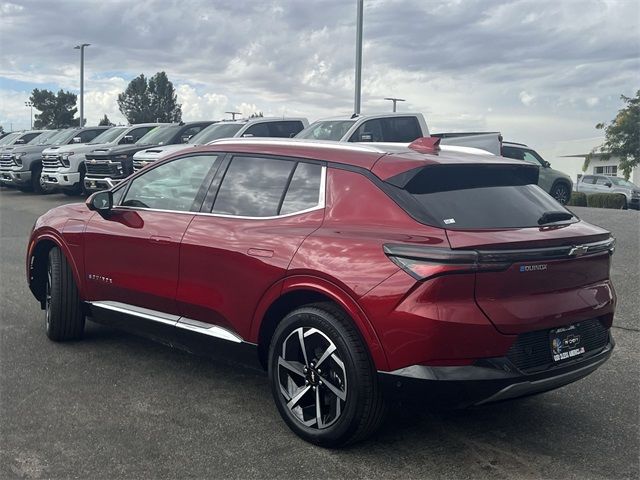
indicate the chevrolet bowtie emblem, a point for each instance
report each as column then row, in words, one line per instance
column 578, row 251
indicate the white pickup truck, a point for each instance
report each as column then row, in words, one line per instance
column 394, row 128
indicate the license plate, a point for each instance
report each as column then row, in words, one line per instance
column 565, row 343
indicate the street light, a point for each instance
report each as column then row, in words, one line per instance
column 30, row 105
column 233, row 114
column 81, row 48
column 395, row 100
column 356, row 101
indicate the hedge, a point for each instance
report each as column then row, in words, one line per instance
column 606, row 200
column 578, row 199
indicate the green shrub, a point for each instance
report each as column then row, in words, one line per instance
column 578, row 199
column 606, row 200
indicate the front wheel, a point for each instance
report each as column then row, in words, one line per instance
column 64, row 319
column 561, row 193
column 322, row 378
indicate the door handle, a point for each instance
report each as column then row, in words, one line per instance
column 160, row 239
column 260, row 252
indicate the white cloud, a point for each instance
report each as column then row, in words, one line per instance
column 526, row 98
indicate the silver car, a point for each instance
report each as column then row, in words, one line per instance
column 589, row 184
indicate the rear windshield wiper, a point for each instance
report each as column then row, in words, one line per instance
column 554, row 216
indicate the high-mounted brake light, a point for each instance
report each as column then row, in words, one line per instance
column 426, row 144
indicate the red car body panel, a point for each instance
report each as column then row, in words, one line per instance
column 133, row 258
column 223, row 278
column 229, row 271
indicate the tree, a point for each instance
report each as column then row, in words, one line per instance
column 106, row 122
column 256, row 115
column 152, row 100
column 622, row 136
column 56, row 111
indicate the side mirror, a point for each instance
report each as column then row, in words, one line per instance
column 185, row 138
column 609, row 184
column 366, row 137
column 546, row 164
column 100, row 201
column 77, row 140
column 127, row 139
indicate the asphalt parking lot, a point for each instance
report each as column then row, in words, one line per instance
column 119, row 406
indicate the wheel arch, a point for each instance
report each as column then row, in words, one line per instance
column 295, row 292
column 37, row 263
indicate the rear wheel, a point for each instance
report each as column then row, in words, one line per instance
column 322, row 378
column 64, row 319
column 561, row 193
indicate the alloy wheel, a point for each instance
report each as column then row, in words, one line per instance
column 312, row 378
column 561, row 194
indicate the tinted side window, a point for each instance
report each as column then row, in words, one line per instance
column 138, row 133
column 285, row 129
column 170, row 186
column 253, row 187
column 257, row 130
column 511, row 152
column 602, row 181
column 304, row 190
column 401, row 129
column 369, row 131
column 589, row 179
column 191, row 131
column 27, row 137
column 89, row 135
column 395, row 129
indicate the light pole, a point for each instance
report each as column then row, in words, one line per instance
column 395, row 100
column 30, row 105
column 81, row 48
column 356, row 101
column 233, row 114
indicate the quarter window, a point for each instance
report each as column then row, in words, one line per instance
column 304, row 190
column 170, row 186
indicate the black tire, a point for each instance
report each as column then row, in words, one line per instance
column 64, row 319
column 360, row 409
column 561, row 193
column 36, row 181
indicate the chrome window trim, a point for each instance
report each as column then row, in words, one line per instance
column 319, row 206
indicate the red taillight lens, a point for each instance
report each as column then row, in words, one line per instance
column 428, row 262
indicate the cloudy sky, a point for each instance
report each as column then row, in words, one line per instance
column 542, row 72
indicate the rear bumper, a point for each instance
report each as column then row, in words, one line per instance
column 490, row 380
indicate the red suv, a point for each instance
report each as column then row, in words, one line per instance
column 356, row 272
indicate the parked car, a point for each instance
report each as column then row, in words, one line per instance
column 8, row 143
column 354, row 273
column 109, row 166
column 24, row 164
column 590, row 184
column 394, row 128
column 251, row 127
column 556, row 183
column 65, row 168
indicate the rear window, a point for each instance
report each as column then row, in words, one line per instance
column 475, row 196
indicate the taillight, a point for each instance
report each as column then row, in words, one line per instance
column 423, row 262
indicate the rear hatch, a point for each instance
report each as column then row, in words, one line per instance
column 538, row 266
